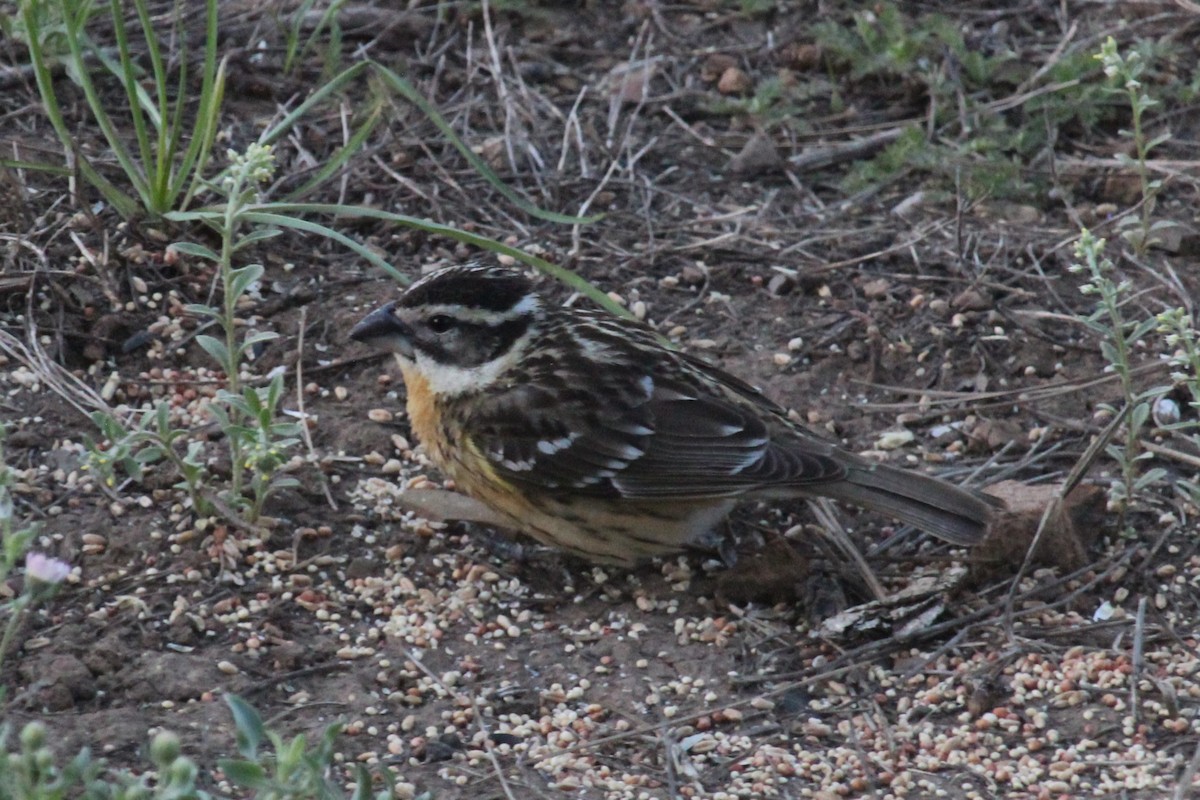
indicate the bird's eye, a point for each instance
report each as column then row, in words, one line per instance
column 440, row 323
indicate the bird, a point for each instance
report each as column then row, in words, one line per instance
column 587, row 432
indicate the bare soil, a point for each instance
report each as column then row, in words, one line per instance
column 478, row 667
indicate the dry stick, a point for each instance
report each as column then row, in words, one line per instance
column 707, row 141
column 669, row 745
column 1157, row 449
column 656, row 727
column 479, row 723
column 1043, row 392
column 1054, row 508
column 1139, row 637
column 836, row 535
column 614, row 112
column 821, row 157
column 571, row 125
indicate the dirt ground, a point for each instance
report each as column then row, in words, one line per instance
column 923, row 311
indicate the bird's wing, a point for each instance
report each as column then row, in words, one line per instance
column 678, row 428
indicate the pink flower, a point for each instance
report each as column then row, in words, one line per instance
column 40, row 567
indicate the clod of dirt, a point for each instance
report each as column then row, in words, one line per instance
column 989, row 435
column 107, row 655
column 775, row 574
column 68, row 680
column 877, row 289
column 1064, row 544
column 168, row 676
column 758, row 157
column 106, row 331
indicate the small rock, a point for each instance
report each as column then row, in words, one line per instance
column 972, row 300
column 361, row 568
column 893, row 440
column 780, row 284
column 734, row 81
column 877, row 289
column 715, row 66
column 691, row 275
column 380, row 415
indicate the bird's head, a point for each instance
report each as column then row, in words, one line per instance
column 458, row 327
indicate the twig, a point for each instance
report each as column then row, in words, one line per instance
column 822, row 157
column 836, row 534
column 1139, row 642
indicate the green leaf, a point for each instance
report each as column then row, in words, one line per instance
column 246, row 774
column 202, row 310
column 217, row 349
column 262, row 234
column 248, row 724
column 241, row 279
column 259, row 336
column 198, row 250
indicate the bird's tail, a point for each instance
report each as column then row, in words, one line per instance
column 960, row 516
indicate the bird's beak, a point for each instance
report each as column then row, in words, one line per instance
column 382, row 327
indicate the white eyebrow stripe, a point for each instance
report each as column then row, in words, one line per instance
column 526, row 306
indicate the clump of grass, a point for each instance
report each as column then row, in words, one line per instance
column 165, row 167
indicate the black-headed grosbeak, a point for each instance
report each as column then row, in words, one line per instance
column 586, row 433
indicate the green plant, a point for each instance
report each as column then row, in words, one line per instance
column 257, row 439
column 146, row 439
column 1118, row 336
column 295, row 771
column 165, row 169
column 1126, row 71
column 43, row 575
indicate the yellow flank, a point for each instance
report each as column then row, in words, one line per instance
column 422, row 412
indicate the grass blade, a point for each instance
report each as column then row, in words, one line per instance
column 406, row 90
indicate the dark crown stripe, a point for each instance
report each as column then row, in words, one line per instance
column 489, row 290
